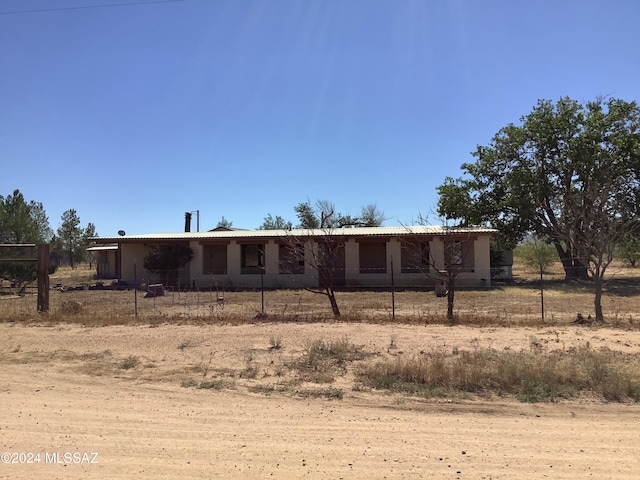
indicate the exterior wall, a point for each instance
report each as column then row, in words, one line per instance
column 234, row 278
column 106, row 264
column 401, row 280
column 351, row 263
column 195, row 265
column 233, row 259
column 479, row 276
column 482, row 277
column 134, row 253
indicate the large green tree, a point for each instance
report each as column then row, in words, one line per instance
column 569, row 172
column 21, row 222
column 72, row 239
column 629, row 249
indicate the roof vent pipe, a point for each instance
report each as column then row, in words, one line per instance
column 187, row 221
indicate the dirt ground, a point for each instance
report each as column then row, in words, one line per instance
column 68, row 389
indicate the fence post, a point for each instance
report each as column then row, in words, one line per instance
column 43, row 278
column 135, row 289
column 393, row 292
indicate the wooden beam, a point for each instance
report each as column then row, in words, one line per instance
column 43, row 278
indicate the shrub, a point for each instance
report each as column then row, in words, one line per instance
column 214, row 384
column 330, row 393
column 129, row 363
column 188, row 383
column 70, row 307
column 321, row 359
column 530, row 377
column 275, row 342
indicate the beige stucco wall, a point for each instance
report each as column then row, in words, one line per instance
column 483, row 261
column 351, row 261
column 236, row 279
column 479, row 277
column 133, row 254
column 481, row 274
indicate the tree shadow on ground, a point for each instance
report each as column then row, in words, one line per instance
column 622, row 286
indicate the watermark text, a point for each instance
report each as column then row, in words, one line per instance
column 61, row 458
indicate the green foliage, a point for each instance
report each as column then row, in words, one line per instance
column 20, row 273
column 569, row 171
column 277, row 223
column 629, row 249
column 166, row 260
column 72, row 240
column 307, row 217
column 224, row 223
column 535, row 389
column 70, row 235
column 22, row 222
column 537, row 254
column 324, row 215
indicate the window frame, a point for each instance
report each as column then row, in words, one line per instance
column 293, row 260
column 210, row 266
column 376, row 264
column 412, row 261
column 255, row 253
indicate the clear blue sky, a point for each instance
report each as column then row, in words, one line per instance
column 134, row 114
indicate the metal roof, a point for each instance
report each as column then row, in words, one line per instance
column 345, row 232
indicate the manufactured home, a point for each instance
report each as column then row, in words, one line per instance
column 364, row 257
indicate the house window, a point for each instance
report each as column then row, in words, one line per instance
column 373, row 257
column 454, row 253
column 252, row 258
column 460, row 255
column 291, row 258
column 214, row 259
column 415, row 257
column 330, row 262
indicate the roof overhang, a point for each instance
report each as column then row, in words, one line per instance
column 244, row 235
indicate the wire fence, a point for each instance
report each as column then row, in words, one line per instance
column 501, row 304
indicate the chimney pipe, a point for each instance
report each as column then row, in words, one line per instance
column 187, row 221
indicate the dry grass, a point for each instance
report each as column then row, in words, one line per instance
column 531, row 377
column 516, row 303
column 321, row 360
column 82, row 275
column 322, row 364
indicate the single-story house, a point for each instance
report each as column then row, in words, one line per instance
column 352, row 257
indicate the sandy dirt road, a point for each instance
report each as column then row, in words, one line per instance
column 143, row 424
